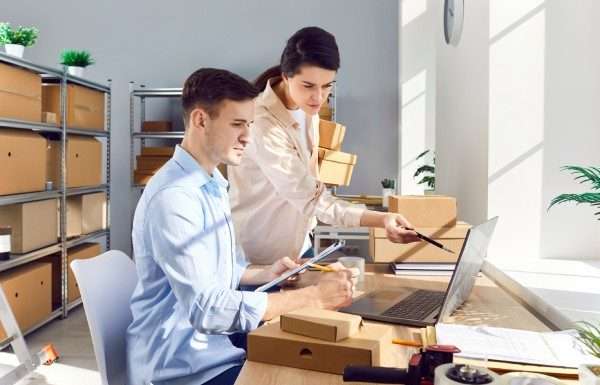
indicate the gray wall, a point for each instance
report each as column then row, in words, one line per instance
column 159, row 43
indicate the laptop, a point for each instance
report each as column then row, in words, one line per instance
column 415, row 307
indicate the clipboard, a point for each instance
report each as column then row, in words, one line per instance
column 325, row 253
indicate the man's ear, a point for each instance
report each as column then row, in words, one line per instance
column 198, row 118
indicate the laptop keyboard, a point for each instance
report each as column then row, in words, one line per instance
column 416, row 306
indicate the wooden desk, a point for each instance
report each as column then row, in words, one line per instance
column 488, row 304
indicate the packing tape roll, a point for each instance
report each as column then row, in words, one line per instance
column 441, row 377
column 525, row 378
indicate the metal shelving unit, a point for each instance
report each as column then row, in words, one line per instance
column 52, row 75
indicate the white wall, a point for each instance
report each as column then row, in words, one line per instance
column 515, row 101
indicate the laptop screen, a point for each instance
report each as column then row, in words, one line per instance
column 468, row 266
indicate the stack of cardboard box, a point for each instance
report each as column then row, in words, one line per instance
column 335, row 167
column 431, row 215
column 150, row 161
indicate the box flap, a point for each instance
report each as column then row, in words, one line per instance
column 336, row 156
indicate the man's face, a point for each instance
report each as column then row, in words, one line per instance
column 310, row 87
column 228, row 133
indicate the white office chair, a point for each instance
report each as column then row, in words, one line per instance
column 106, row 283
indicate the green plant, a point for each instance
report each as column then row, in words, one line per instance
column 589, row 335
column 426, row 169
column 388, row 183
column 76, row 58
column 584, row 175
column 25, row 36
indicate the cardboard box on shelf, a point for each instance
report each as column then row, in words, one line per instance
column 84, row 251
column 383, row 250
column 86, row 214
column 20, row 94
column 22, row 162
column 84, row 161
column 323, row 324
column 85, row 106
column 158, row 151
column 49, row 117
column 370, row 347
column 74, row 218
column 28, row 289
column 336, row 167
column 34, row 224
column 142, row 177
column 151, row 163
column 156, row 126
column 331, row 135
column 425, row 210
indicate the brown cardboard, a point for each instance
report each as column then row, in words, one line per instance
column 28, row 290
column 22, row 162
column 151, row 163
column 325, row 112
column 156, row 126
column 93, row 212
column 85, row 106
column 331, row 134
column 323, row 324
column 142, row 177
column 384, row 251
column 49, row 117
column 34, row 224
column 336, row 167
column 158, row 151
column 74, row 217
column 370, row 347
column 425, row 210
column 84, row 161
column 84, row 251
column 20, row 94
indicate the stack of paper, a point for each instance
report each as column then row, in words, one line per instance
column 414, row 268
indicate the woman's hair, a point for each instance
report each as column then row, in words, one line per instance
column 310, row 45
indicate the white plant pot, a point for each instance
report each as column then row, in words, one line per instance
column 429, row 192
column 14, row 50
column 385, row 193
column 75, row 71
column 587, row 377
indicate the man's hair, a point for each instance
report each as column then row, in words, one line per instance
column 208, row 87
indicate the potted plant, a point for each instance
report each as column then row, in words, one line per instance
column 589, row 335
column 76, row 61
column 389, row 188
column 15, row 40
column 428, row 171
column 584, row 175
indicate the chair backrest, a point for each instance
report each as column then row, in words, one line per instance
column 106, row 283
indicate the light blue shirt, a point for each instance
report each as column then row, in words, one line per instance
column 186, row 301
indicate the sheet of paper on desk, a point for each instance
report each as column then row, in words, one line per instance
column 501, row 344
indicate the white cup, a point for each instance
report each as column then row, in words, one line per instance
column 354, row 262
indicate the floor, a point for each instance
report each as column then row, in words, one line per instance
column 71, row 337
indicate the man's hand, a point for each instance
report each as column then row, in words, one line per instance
column 397, row 229
column 279, row 267
column 335, row 290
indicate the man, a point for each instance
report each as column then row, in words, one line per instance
column 187, row 300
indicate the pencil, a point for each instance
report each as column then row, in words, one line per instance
column 414, row 344
column 324, row 269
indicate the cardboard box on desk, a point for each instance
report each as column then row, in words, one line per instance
column 335, row 167
column 370, row 347
column 20, row 94
column 85, row 106
column 383, row 250
column 28, row 289
column 22, row 162
column 323, row 324
column 331, row 135
column 425, row 210
column 34, row 224
column 84, row 162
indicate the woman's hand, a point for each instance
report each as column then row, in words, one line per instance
column 398, row 229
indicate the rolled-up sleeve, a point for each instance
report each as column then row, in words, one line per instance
column 176, row 229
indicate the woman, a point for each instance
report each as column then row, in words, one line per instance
column 275, row 193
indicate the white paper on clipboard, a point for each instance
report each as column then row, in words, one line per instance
column 328, row 251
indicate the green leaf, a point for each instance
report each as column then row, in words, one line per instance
column 585, row 174
column 429, row 180
column 589, row 335
column 76, row 58
column 25, row 36
column 425, row 168
column 422, row 154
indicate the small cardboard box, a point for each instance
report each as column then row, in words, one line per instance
column 84, row 251
column 85, row 106
column 20, row 94
column 325, row 112
column 151, row 163
column 156, row 126
column 336, row 167
column 425, row 210
column 34, row 224
column 158, row 151
column 331, row 135
column 141, row 177
column 383, row 250
column 22, row 162
column 370, row 347
column 28, row 289
column 323, row 324
column 84, row 161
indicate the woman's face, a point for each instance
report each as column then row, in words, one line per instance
column 310, row 87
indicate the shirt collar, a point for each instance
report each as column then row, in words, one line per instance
column 194, row 170
column 273, row 104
